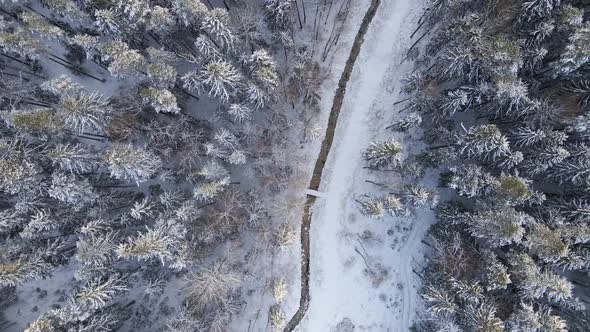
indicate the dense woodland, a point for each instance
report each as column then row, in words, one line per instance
column 139, row 137
column 136, row 138
column 501, row 91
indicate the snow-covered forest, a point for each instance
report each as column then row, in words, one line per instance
column 143, row 165
column 294, row 165
column 500, row 92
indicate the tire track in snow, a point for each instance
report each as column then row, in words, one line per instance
column 321, row 162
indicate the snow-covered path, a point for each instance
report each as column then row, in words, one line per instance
column 339, row 286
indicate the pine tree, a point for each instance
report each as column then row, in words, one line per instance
column 582, row 89
column 17, row 169
column 576, row 53
column 126, row 162
column 21, row 269
column 161, row 70
column 420, row 196
column 142, row 209
column 161, row 100
column 256, row 96
column 534, row 9
column 64, row 8
column 280, row 12
column 188, row 12
column 78, row 109
column 154, row 243
column 41, row 223
column 72, row 158
column 405, row 124
column 161, row 21
column 136, row 12
column 40, row 122
column 384, row 153
column 107, row 22
column 96, row 249
column 41, row 325
column 99, row 293
column 546, row 243
column 84, row 111
column 496, row 275
column 372, row 207
column 512, row 190
column 219, row 78
column 505, row 55
column 218, row 25
column 123, row 61
column 212, row 285
column 207, row 49
column 209, row 190
column 21, row 43
column 552, row 323
column 570, row 17
column 481, row 317
column 263, row 69
column 471, row 180
column 276, row 317
column 439, row 302
column 38, row 25
column 240, row 112
column 525, row 319
column 534, row 283
column 72, row 190
column 512, row 98
column 500, row 227
column 484, row 141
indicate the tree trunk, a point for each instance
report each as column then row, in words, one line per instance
column 304, row 13
column 418, row 28
column 79, row 71
column 328, row 13
column 298, row 15
column 401, row 101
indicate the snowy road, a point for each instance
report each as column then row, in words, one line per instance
column 339, row 286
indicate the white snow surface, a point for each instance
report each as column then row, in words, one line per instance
column 340, row 286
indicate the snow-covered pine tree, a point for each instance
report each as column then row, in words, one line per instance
column 500, row 227
column 576, row 53
column 124, row 62
column 98, row 293
column 38, row 25
column 74, row 158
column 127, row 162
column 216, row 23
column 484, row 141
column 212, row 285
column 280, row 12
column 219, row 78
column 20, row 43
column 160, row 21
column 18, row 170
column 372, row 207
column 189, row 13
column 72, row 190
column 546, row 243
column 161, row 70
column 161, row 100
column 154, row 243
column 384, row 153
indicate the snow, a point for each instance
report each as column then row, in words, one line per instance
column 340, row 287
